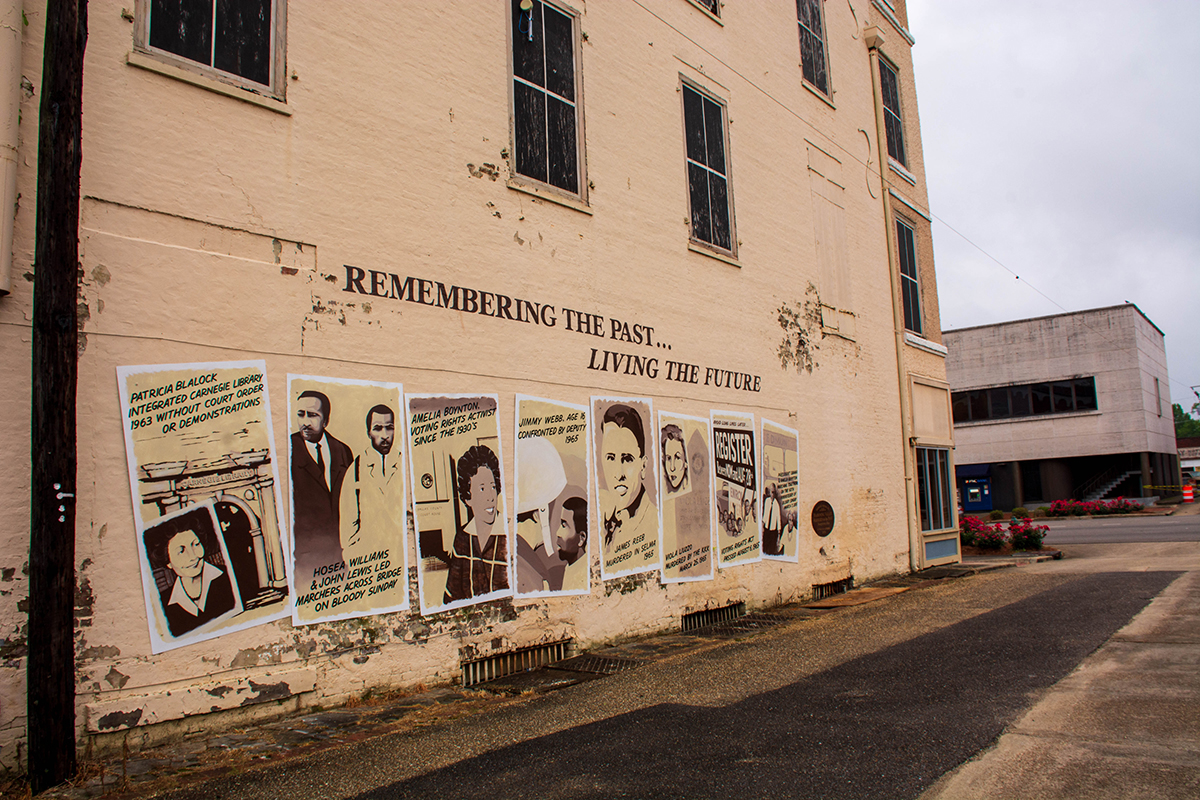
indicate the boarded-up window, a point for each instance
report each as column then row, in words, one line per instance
column 545, row 114
column 233, row 37
column 931, row 420
column 811, row 16
column 708, row 180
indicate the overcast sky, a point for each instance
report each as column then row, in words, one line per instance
column 1063, row 138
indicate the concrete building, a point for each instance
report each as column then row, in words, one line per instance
column 1072, row 405
column 711, row 208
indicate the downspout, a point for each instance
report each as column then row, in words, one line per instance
column 874, row 40
column 11, row 30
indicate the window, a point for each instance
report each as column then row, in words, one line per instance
column 812, row 43
column 889, row 85
column 545, row 111
column 236, row 41
column 934, row 489
column 910, row 288
column 708, row 176
column 711, row 6
column 1025, row 399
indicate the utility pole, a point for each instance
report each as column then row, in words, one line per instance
column 51, row 665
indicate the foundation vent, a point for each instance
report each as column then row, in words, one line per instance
column 500, row 664
column 822, row 590
column 711, row 616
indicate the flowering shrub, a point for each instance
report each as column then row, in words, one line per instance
column 971, row 526
column 1025, row 535
column 1079, row 508
column 993, row 537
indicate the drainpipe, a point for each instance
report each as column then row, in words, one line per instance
column 874, row 40
column 11, row 28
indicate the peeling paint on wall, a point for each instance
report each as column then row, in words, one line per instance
column 800, row 321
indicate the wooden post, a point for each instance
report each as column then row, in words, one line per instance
column 51, row 665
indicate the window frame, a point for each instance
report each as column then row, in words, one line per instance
column 893, row 118
column 822, row 37
column 694, row 241
column 1082, row 388
column 529, row 183
column 914, row 279
column 944, row 486
column 276, row 88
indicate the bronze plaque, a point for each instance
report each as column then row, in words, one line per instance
column 822, row 518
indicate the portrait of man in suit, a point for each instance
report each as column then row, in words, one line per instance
column 319, row 464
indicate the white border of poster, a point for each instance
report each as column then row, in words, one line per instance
column 502, row 497
column 747, row 418
column 263, row 416
column 650, row 479
column 664, row 417
column 566, row 428
column 762, row 483
column 398, row 448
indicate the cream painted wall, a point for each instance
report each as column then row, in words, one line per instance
column 214, row 229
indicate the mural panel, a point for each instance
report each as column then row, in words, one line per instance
column 622, row 432
column 350, row 552
column 780, row 491
column 734, row 470
column 552, row 499
column 199, row 435
column 458, row 500
column 687, row 504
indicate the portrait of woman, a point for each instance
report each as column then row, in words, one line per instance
column 478, row 560
column 195, row 586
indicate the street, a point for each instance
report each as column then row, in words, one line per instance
column 1105, row 530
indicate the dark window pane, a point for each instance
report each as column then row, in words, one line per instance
column 978, row 402
column 889, row 87
column 960, row 406
column 923, row 488
column 720, row 211
column 1019, row 395
column 529, row 115
column 713, row 6
column 998, row 400
column 907, row 247
column 560, row 56
column 1085, row 394
column 183, row 27
column 944, row 487
column 1041, row 398
column 563, row 167
column 807, row 11
column 1062, row 397
column 912, row 305
column 698, row 192
column 243, row 44
column 714, row 129
column 527, row 53
column 693, row 124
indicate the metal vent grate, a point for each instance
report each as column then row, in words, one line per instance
column 751, row 623
column 822, row 590
column 501, row 664
column 598, row 665
column 711, row 616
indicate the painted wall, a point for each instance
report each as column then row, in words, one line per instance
column 214, row 229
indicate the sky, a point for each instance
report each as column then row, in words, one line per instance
column 1062, row 140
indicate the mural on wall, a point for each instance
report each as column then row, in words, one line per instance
column 734, row 470
column 686, row 491
column 200, row 435
column 551, row 497
column 349, row 548
column 780, row 483
column 456, row 462
column 622, row 432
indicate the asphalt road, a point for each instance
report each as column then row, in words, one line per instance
column 875, row 701
column 1119, row 529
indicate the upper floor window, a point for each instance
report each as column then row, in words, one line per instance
column 1025, row 400
column 711, row 6
column 546, row 118
column 889, row 85
column 708, row 173
column 236, row 41
column 910, row 285
column 812, row 43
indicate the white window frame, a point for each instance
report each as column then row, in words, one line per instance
column 277, row 82
column 696, row 242
column 528, row 183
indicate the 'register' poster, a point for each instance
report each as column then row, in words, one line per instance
column 206, row 502
column 458, row 499
column 734, row 470
column 622, row 431
column 349, row 518
column 780, row 491
column 687, row 506
column 551, row 497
